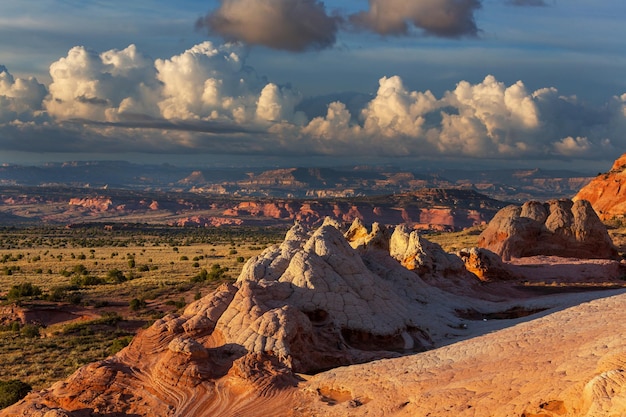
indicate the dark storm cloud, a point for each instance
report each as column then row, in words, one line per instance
column 299, row 25
column 293, row 25
column 444, row 18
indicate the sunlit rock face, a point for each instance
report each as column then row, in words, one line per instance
column 607, row 193
column 485, row 264
column 558, row 227
column 418, row 254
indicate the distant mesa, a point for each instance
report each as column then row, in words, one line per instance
column 607, row 192
column 507, row 185
column 563, row 228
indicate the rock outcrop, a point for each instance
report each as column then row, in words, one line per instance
column 310, row 304
column 485, row 264
column 558, row 228
column 316, row 302
column 607, row 192
column 418, row 254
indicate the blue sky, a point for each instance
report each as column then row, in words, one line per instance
column 499, row 84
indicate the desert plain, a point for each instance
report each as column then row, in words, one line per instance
column 326, row 319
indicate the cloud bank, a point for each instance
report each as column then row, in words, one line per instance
column 207, row 100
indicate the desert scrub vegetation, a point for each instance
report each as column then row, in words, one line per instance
column 455, row 241
column 12, row 391
column 92, row 260
column 39, row 356
column 117, row 280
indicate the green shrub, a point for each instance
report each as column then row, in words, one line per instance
column 115, row 276
column 201, row 276
column 86, row 280
column 75, row 298
column 180, row 303
column 137, row 304
column 80, row 269
column 30, row 331
column 12, row 391
column 215, row 273
column 25, row 289
column 119, row 344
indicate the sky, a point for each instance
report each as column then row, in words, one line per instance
column 473, row 84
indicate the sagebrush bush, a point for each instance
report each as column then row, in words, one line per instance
column 12, row 391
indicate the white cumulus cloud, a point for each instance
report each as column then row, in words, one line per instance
column 395, row 111
column 207, row 82
column 98, row 87
column 20, row 99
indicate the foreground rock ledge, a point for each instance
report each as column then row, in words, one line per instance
column 320, row 301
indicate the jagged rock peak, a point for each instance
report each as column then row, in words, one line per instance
column 315, row 283
column 418, row 254
column 359, row 238
column 563, row 228
column 619, row 164
column 607, row 192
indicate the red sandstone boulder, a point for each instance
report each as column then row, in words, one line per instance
column 557, row 228
column 485, row 264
